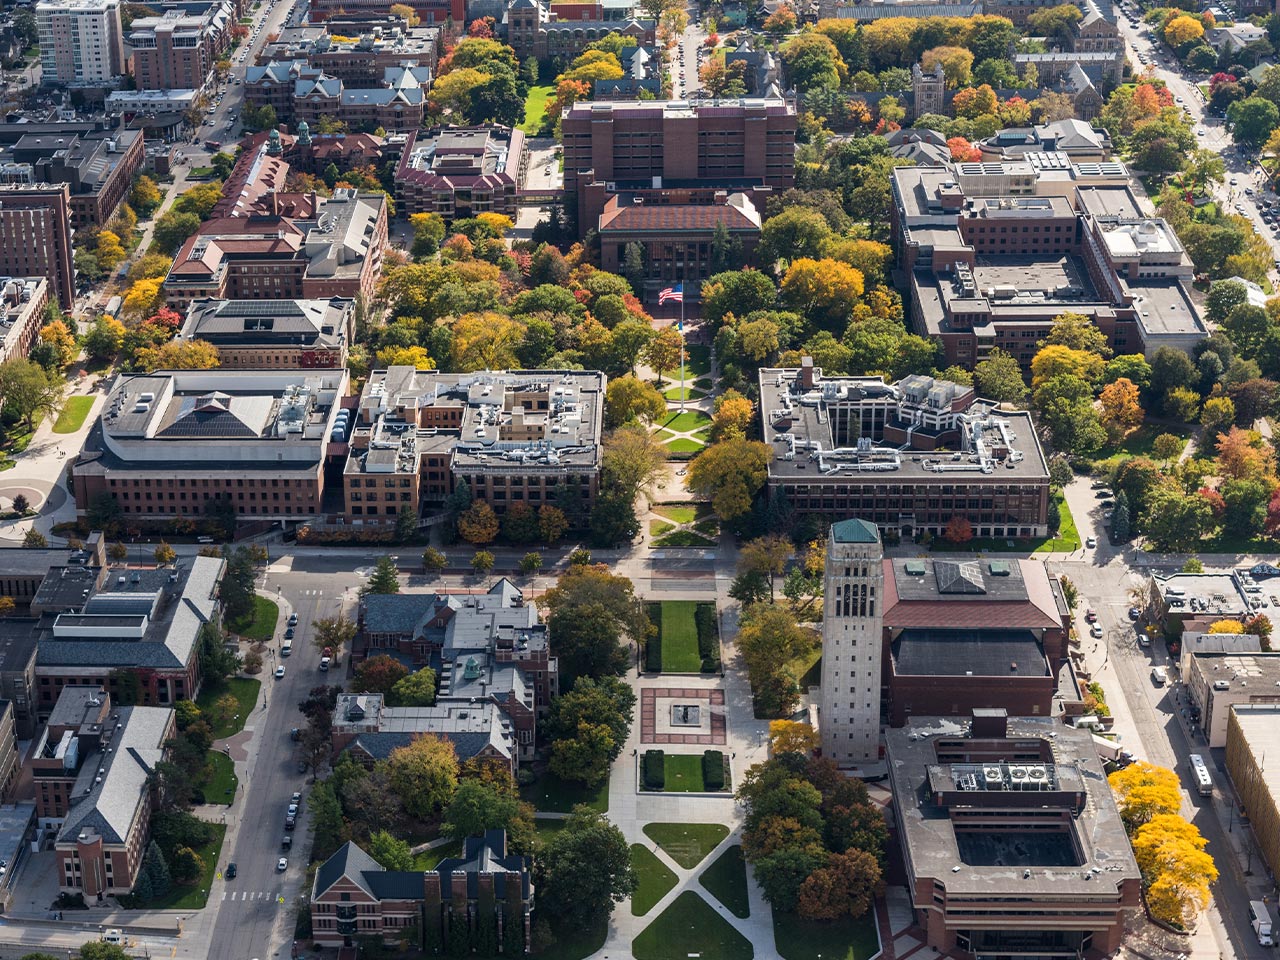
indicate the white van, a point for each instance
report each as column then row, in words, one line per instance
column 1260, row 919
column 115, row 936
column 286, row 648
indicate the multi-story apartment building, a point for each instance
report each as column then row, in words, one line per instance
column 459, row 172
column 97, row 166
column 274, row 334
column 518, row 436
column 993, row 252
column 22, row 314
column 681, row 152
column 178, row 49
column 1019, row 848
column 81, row 42
column 36, row 236
column 93, row 768
column 909, row 456
column 168, row 443
column 336, row 251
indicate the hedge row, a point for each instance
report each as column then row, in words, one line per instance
column 654, row 770
column 704, row 618
column 713, row 770
column 653, row 647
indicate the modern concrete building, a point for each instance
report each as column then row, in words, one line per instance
column 98, row 167
column 909, row 456
column 334, row 249
column 169, row 443
column 274, row 334
column 686, row 152
column 36, row 236
column 81, row 42
column 1253, row 730
column 517, row 436
column 852, row 640
column 993, row 252
column 93, row 768
column 22, row 314
column 1011, row 840
column 1220, row 682
column 460, row 172
column 355, row 896
column 177, row 50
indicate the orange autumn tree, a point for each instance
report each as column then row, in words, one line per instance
column 962, row 151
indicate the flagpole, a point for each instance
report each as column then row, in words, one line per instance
column 683, row 393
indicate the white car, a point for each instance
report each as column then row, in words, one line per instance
column 1159, row 676
column 1091, row 542
column 282, row 864
column 1095, row 631
column 280, row 672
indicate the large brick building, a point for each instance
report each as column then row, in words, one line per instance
column 22, row 314
column 430, row 12
column 177, row 50
column 168, row 443
column 517, row 436
column 36, row 236
column 564, row 30
column 274, row 334
column 459, row 172
column 909, row 456
column 93, row 770
column 664, row 152
column 1011, row 840
column 98, row 166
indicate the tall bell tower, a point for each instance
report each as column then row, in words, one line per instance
column 852, row 628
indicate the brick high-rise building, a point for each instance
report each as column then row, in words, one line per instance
column 81, row 41
column 35, row 235
column 177, row 50
column 648, row 148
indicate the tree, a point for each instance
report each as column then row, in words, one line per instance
column 1167, row 447
column 27, row 392
column 663, row 352
column 424, row 774
column 958, row 531
column 478, row 523
column 584, row 870
column 104, row 339
column 176, row 355
column 94, row 950
column 35, row 539
column 1145, row 791
column 418, row 689
column 613, row 519
column 592, row 613
column 633, row 461
column 767, row 558
column 825, row 291
column 628, row 398
column 390, row 853
column 157, row 870
column 385, row 577
column 1182, row 403
column 584, row 756
column 794, row 233
column 732, row 416
column 1120, row 520
column 531, row 563
column 379, row 674
column 1223, row 297
column 768, row 639
column 1217, row 415
column 956, row 62
column 479, row 806
column 1054, row 360
column 1170, row 852
column 332, row 632
column 187, row 866
column 1242, row 454
column 844, row 888
column 1120, row 409
column 729, row 475
column 164, row 554
column 145, row 196
column 1253, row 120
column 999, row 378
column 482, row 563
column 433, row 561
column 1174, row 520
column 790, row 736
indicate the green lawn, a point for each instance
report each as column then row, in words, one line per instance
column 430, row 859
column 192, row 897
column 262, row 625
column 1140, row 441
column 535, row 106
column 798, row 939
column 686, row 421
column 73, row 413
column 221, row 787
column 197, row 173
column 680, row 641
column 1068, row 538
column 574, row 943
column 678, row 393
column 726, row 880
column 684, row 445
column 683, row 770
column 243, row 689
column 553, row 795
column 658, row 527
column 690, row 927
column 686, row 843
column 678, row 512
column 697, row 362
column 655, row 879
column 683, row 538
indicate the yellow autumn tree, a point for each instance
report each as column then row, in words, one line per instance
column 144, row 297
column 1170, row 852
column 1053, row 360
column 414, row 356
column 1121, row 411
column 1145, row 791
column 58, row 335
column 1227, row 626
column 791, row 736
column 1180, row 30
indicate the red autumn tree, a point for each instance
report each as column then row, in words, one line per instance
column 959, row 530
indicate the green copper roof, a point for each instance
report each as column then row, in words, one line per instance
column 854, row 530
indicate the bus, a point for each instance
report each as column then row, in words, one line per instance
column 1200, row 773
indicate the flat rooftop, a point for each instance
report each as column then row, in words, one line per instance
column 1218, row 593
column 986, row 867
column 1164, row 307
column 977, row 653
column 1101, row 200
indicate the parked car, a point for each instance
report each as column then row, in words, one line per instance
column 1091, row 542
column 1159, row 676
column 1090, row 615
column 231, row 871
column 288, row 634
column 280, row 672
column 1096, row 631
column 293, row 619
column 286, row 843
column 282, row 864
column 1134, row 613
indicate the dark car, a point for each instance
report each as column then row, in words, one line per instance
column 288, row 634
column 295, row 734
column 286, row 843
column 1134, row 613
column 231, row 871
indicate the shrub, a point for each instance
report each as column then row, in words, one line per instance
column 655, row 770
column 704, row 617
column 713, row 770
column 711, row 665
column 653, row 646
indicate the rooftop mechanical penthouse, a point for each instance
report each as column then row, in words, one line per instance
column 910, row 455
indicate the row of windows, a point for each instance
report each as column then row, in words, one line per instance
column 183, row 496
column 204, row 483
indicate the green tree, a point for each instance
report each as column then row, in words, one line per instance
column 592, row 613
column 433, row 561
column 418, row 689
column 999, row 378
column 1174, row 520
column 531, row 563
column 384, row 579
column 730, row 474
column 27, row 391
column 1252, row 120
column 236, row 590
column 391, row 853
column 479, row 806
column 424, row 775
column 379, row 674
column 172, row 229
column 482, row 563
column 585, row 870
column 628, row 398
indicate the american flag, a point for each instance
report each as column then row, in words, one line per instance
column 675, row 293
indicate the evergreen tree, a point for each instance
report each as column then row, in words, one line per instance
column 157, row 869
column 633, row 267
column 457, row 502
column 385, row 578
column 1054, row 516
column 143, row 889
column 1120, row 518
column 406, row 523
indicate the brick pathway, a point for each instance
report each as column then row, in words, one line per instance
column 649, row 698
